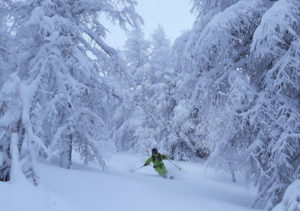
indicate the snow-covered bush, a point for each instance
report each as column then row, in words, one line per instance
column 291, row 198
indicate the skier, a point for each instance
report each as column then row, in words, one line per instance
column 158, row 164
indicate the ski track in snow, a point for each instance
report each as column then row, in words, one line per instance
column 117, row 189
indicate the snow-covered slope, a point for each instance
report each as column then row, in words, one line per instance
column 117, row 189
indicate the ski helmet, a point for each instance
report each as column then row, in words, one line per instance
column 154, row 151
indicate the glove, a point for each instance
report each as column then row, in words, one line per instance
column 145, row 164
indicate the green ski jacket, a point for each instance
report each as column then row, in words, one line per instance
column 157, row 160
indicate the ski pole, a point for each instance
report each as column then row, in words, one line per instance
column 175, row 165
column 137, row 168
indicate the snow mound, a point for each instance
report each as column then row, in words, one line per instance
column 24, row 196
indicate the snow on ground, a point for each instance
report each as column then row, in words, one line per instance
column 117, row 189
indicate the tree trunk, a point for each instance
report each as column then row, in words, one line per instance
column 232, row 173
column 5, row 164
column 66, row 154
column 5, row 157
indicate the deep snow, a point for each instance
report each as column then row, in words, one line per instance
column 117, row 189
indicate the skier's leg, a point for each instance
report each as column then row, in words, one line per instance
column 159, row 171
column 164, row 170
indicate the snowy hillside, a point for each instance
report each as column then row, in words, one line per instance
column 90, row 189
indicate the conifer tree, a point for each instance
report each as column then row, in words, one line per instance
column 136, row 50
column 238, row 91
column 63, row 102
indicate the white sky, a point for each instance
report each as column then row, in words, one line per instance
column 173, row 15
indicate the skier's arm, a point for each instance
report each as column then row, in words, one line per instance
column 164, row 157
column 148, row 161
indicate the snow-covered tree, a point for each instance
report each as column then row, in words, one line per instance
column 156, row 90
column 238, row 81
column 203, row 7
column 276, row 114
column 5, row 49
column 273, row 37
column 160, row 54
column 151, row 90
column 178, row 51
column 63, row 102
column 211, row 81
column 7, row 95
column 136, row 50
column 129, row 116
